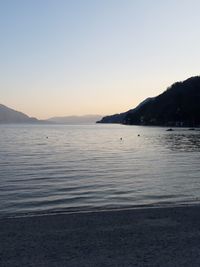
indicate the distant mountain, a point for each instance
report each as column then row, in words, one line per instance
column 86, row 119
column 8, row 115
column 179, row 105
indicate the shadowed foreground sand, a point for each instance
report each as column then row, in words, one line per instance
column 143, row 237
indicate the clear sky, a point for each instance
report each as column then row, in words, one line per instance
column 75, row 57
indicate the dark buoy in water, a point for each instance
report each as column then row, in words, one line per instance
column 47, row 137
column 121, row 138
column 138, row 135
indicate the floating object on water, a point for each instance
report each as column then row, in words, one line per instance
column 138, row 135
column 121, row 138
column 169, row 130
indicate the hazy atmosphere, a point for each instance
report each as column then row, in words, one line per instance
column 94, row 57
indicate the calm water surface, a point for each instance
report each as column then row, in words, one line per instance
column 88, row 167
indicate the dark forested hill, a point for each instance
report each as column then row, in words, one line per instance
column 121, row 117
column 179, row 105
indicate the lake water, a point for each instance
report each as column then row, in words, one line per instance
column 88, row 167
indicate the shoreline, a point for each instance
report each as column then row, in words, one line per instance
column 98, row 210
column 155, row 236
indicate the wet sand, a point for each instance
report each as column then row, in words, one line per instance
column 166, row 237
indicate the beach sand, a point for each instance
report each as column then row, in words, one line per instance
column 138, row 237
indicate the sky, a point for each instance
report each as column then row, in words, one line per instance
column 76, row 57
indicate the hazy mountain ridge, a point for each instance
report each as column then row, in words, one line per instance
column 8, row 115
column 179, row 105
column 85, row 119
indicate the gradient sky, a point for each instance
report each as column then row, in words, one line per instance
column 75, row 57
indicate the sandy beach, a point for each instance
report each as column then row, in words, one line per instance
column 165, row 237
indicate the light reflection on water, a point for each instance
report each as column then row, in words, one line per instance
column 89, row 167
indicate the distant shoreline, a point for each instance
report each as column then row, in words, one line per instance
column 95, row 123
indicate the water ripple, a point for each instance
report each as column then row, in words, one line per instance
column 89, row 167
